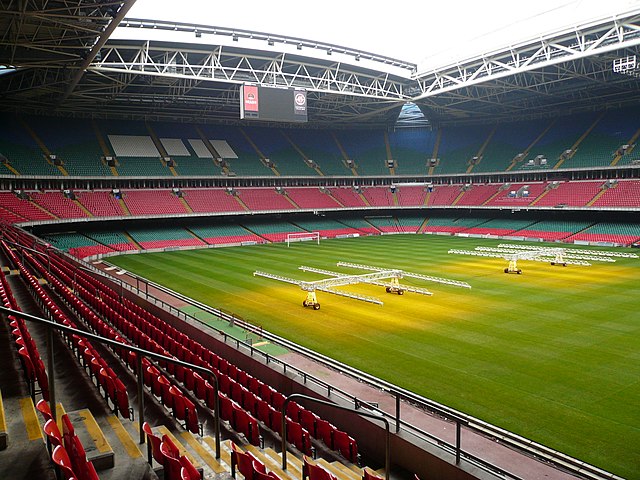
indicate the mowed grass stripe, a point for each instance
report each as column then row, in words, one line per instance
column 548, row 354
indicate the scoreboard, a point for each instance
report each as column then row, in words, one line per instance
column 273, row 104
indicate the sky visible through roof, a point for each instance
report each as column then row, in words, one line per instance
column 430, row 34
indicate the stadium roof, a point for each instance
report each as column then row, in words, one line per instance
column 68, row 58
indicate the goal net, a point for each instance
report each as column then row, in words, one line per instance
column 303, row 237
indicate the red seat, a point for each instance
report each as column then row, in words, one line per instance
column 298, row 436
column 122, row 399
column 54, row 437
column 199, row 384
column 188, row 471
column 246, row 463
column 244, row 423
column 314, row 471
column 368, row 475
column 308, row 421
column 61, row 458
column 293, row 411
column 177, row 403
column 346, row 445
column 324, row 432
column 171, row 463
column 153, row 444
column 277, row 400
column 226, row 409
column 43, row 407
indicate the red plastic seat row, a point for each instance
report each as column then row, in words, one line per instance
column 315, row 472
column 242, row 388
column 113, row 387
column 167, row 454
column 249, row 466
column 68, row 452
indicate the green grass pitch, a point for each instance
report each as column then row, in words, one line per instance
column 553, row 354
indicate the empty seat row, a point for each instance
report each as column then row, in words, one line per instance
column 166, row 453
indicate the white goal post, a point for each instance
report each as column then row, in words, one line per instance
column 303, row 237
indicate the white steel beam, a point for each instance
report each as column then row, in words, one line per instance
column 585, row 40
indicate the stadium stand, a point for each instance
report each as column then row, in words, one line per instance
column 58, row 204
column 326, row 227
column 412, row 148
column 153, row 202
column 411, row 196
column 23, row 207
column 609, row 232
column 225, row 234
column 365, row 148
column 273, row 231
column 264, row 199
column 451, row 224
column 312, row 198
column 443, row 195
column 74, row 143
column 517, row 194
column 477, row 195
column 553, row 230
column 378, row 196
column 459, row 146
column 621, row 193
column 347, row 197
column 209, row 200
column 574, row 194
column 114, row 240
column 321, row 148
column 149, row 238
column 100, row 203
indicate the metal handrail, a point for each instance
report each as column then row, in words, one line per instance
column 140, row 353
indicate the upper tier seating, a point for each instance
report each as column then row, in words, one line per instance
column 411, row 196
column 411, row 148
column 74, row 143
column 367, row 149
column 153, row 202
column 510, row 196
column 138, row 147
column 443, row 195
column 58, row 205
column 378, row 196
column 264, row 199
column 625, row 194
column 508, row 142
column 100, row 203
column 311, row 198
column 203, row 200
column 458, row 146
column 478, row 195
column 23, row 208
column 347, row 197
column 320, row 146
column 275, row 146
column 573, row 194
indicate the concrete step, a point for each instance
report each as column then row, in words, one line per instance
column 26, row 456
column 94, row 441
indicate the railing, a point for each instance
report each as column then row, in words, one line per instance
column 459, row 419
column 140, row 353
